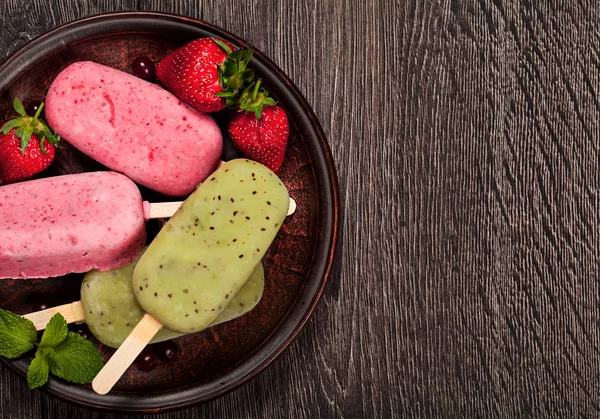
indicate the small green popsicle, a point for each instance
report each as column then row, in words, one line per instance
column 208, row 249
column 111, row 311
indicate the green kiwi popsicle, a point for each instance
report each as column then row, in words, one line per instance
column 111, row 311
column 208, row 249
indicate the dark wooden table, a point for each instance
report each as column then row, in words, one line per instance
column 466, row 140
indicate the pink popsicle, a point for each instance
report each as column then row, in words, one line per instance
column 73, row 223
column 134, row 127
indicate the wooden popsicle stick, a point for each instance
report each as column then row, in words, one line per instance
column 164, row 209
column 167, row 209
column 72, row 312
column 116, row 366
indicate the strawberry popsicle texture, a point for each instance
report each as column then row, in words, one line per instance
column 134, row 127
column 72, row 223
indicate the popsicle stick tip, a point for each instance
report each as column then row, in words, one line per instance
column 99, row 389
column 292, row 207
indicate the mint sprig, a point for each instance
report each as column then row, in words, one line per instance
column 62, row 353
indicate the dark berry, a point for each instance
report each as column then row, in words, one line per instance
column 33, row 107
column 144, row 68
column 153, row 226
column 81, row 329
column 146, row 360
column 229, row 151
column 166, row 351
column 39, row 304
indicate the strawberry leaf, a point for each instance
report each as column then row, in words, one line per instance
column 49, row 134
column 243, row 57
column 19, row 107
column 254, row 98
column 42, row 148
column 231, row 102
column 247, row 75
column 19, row 131
column 225, row 94
column 53, row 138
column 27, row 131
column 234, row 76
column 223, row 45
column 230, row 68
column 10, row 124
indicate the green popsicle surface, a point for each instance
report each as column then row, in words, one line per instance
column 205, row 253
column 112, row 312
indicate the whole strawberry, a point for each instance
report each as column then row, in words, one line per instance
column 26, row 146
column 206, row 74
column 260, row 129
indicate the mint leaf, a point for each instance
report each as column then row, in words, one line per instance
column 76, row 360
column 56, row 331
column 37, row 373
column 17, row 334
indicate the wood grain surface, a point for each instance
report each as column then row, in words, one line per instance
column 465, row 135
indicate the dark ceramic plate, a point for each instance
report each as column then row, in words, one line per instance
column 297, row 265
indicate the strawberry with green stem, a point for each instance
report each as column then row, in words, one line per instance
column 206, row 73
column 260, row 129
column 27, row 145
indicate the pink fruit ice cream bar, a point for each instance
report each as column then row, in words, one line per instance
column 72, row 223
column 134, row 127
